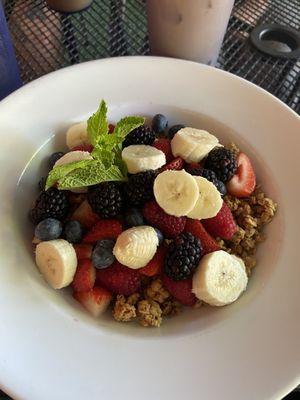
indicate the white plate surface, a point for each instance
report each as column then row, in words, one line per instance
column 50, row 348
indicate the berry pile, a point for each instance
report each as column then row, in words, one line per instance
column 148, row 243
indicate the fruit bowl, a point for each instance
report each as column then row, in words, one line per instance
column 259, row 330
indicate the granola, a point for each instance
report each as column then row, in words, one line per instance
column 150, row 313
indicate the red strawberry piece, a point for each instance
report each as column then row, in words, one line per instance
column 95, row 300
column 85, row 215
column 83, row 147
column 103, row 229
column 154, row 267
column 176, row 164
column 169, row 225
column 85, row 276
column 222, row 225
column 243, row 183
column 83, row 250
column 119, row 279
column 195, row 227
column 111, row 128
column 164, row 145
column 181, row 290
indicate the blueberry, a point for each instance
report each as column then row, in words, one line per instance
column 159, row 123
column 159, row 235
column 48, row 229
column 134, row 217
column 54, row 157
column 42, row 183
column 174, row 129
column 102, row 255
column 73, row 231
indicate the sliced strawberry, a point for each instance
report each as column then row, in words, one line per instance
column 222, row 225
column 164, row 145
column 103, row 229
column 83, row 147
column 85, row 215
column 181, row 290
column 154, row 267
column 119, row 279
column 176, row 164
column 85, row 276
column 95, row 300
column 83, row 250
column 243, row 183
column 195, row 227
column 111, row 128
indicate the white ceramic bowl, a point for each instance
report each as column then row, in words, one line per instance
column 49, row 347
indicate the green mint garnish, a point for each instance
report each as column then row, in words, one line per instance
column 107, row 163
column 95, row 172
column 97, row 124
column 61, row 171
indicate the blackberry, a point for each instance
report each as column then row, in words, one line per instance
column 106, row 199
column 55, row 157
column 183, row 256
column 223, row 162
column 210, row 176
column 52, row 203
column 174, row 129
column 139, row 188
column 141, row 135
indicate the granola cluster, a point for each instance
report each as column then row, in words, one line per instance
column 149, row 307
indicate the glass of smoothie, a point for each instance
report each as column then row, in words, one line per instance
column 188, row 29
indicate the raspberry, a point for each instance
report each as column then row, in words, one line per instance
column 168, row 224
column 164, row 145
column 222, row 225
column 103, row 229
column 119, row 279
column 180, row 290
column 154, row 266
column 196, row 228
column 176, row 164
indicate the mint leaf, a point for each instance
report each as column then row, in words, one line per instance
column 107, row 156
column 97, row 124
column 125, row 126
column 93, row 173
column 61, row 171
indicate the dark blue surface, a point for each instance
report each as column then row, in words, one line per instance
column 9, row 72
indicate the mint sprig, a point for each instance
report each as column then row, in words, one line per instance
column 61, row 171
column 92, row 174
column 97, row 124
column 107, row 163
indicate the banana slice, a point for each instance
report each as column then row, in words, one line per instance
column 57, row 262
column 77, row 135
column 73, row 156
column 140, row 157
column 176, row 192
column 220, row 278
column 136, row 246
column 209, row 202
column 192, row 144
